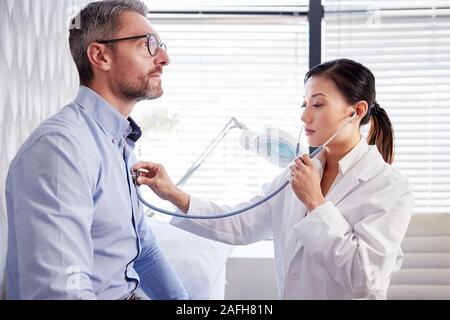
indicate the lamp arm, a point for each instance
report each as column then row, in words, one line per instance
column 209, row 149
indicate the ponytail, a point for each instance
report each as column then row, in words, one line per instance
column 381, row 132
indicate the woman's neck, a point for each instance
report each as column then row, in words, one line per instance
column 335, row 152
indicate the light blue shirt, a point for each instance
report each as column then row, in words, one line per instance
column 76, row 227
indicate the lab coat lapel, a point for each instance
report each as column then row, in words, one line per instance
column 370, row 165
column 367, row 167
column 340, row 190
column 347, row 183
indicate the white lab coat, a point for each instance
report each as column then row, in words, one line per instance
column 347, row 248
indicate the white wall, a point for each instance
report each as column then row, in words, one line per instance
column 250, row 273
column 251, row 278
column 37, row 77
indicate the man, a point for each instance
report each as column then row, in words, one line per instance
column 76, row 228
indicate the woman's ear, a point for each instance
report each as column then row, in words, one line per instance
column 361, row 109
column 99, row 57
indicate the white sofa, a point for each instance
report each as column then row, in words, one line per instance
column 425, row 273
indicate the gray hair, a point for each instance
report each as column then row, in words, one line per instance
column 97, row 21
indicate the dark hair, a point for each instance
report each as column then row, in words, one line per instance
column 357, row 83
column 97, row 21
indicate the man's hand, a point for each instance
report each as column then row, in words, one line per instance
column 155, row 176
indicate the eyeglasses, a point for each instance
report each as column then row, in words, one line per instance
column 153, row 42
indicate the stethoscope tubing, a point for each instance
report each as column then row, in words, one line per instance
column 251, row 206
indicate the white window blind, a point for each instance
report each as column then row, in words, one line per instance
column 407, row 46
column 227, row 5
column 248, row 66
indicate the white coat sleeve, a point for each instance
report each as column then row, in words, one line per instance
column 249, row 227
column 361, row 258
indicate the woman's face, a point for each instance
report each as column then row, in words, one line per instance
column 326, row 110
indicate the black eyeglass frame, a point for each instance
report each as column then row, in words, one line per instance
column 155, row 36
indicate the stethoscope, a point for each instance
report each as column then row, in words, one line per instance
column 135, row 175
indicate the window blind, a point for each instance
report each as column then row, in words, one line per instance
column 227, row 5
column 407, row 46
column 249, row 66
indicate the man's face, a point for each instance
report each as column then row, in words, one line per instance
column 135, row 74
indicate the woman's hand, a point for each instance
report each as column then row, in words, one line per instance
column 155, row 176
column 305, row 182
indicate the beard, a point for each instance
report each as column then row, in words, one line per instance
column 140, row 88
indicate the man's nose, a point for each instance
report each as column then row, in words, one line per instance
column 162, row 58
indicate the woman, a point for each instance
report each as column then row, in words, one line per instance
column 338, row 227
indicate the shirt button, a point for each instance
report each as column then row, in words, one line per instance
column 114, row 141
column 295, row 275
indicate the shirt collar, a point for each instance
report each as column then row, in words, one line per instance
column 353, row 156
column 112, row 123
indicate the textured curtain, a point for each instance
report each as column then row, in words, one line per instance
column 37, row 77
